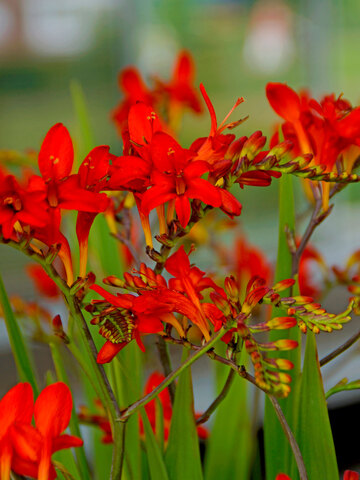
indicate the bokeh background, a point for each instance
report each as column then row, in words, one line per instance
column 48, row 48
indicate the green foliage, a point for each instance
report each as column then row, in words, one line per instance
column 182, row 456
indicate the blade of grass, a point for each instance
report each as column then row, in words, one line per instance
column 182, row 456
column 314, row 431
column 82, row 116
column 231, row 437
column 278, row 454
column 22, row 358
column 154, row 455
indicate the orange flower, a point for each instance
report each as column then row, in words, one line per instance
column 34, row 446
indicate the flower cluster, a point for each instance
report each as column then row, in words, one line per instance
column 329, row 129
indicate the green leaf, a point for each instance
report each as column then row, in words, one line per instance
column 22, row 358
column 278, row 454
column 154, row 456
column 82, row 116
column 182, row 456
column 314, row 434
column 231, row 445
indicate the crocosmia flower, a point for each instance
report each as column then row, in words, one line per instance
column 34, row 446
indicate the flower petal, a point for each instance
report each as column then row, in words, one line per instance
column 17, row 405
column 52, row 410
column 108, row 351
column 183, row 210
column 66, row 441
column 284, row 101
column 56, row 154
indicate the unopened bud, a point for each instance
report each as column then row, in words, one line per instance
column 231, row 288
column 281, row 323
column 283, row 285
column 58, row 329
column 114, row 281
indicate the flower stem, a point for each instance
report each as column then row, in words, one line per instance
column 133, row 408
column 206, row 415
column 342, row 348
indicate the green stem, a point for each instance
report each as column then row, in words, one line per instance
column 339, row 350
column 133, row 408
column 213, row 406
column 166, row 363
column 74, row 425
column 18, row 346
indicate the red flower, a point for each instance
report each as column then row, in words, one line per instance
column 325, row 130
column 26, row 206
column 135, row 90
column 180, row 90
column 92, row 177
column 16, row 406
column 127, row 317
column 64, row 191
column 176, row 177
column 34, row 446
column 190, row 281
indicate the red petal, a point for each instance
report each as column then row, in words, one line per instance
column 53, row 410
column 284, row 101
column 72, row 197
column 164, row 152
column 27, row 441
column 56, row 155
column 143, row 123
column 94, row 167
column 66, row 441
column 204, row 191
column 229, row 204
column 116, row 300
column 351, row 475
column 183, row 210
column 184, row 70
column 16, row 405
column 109, row 350
column 196, row 169
column 131, row 83
column 349, row 126
column 178, row 264
column 211, row 110
column 156, row 196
